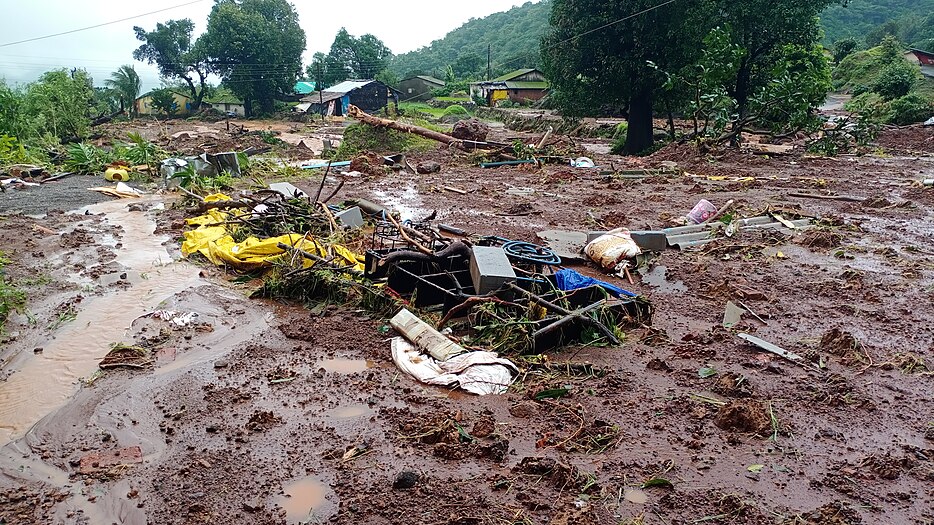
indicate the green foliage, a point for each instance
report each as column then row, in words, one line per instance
column 256, row 46
column 13, row 151
column 360, row 139
column 163, row 100
column 513, row 38
column 844, row 48
column 800, row 82
column 619, row 138
column 11, row 298
column 456, row 111
column 57, row 104
column 171, row 48
column 125, row 84
column 86, row 158
column 859, row 18
column 924, row 45
column 868, row 114
column 350, row 57
column 141, row 152
column 910, row 109
column 896, row 80
column 455, row 86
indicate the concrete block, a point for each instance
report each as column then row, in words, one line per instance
column 594, row 235
column 351, row 217
column 490, row 269
column 650, row 241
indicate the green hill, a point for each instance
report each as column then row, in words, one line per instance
column 515, row 36
column 859, row 18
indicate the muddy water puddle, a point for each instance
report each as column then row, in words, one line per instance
column 657, row 277
column 408, row 204
column 41, row 382
column 306, row 500
column 345, row 366
column 344, row 413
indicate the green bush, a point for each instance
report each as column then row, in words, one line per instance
column 361, row 138
column 910, row 109
column 86, row 158
column 896, row 80
column 456, row 111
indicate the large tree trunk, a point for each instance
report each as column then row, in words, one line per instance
column 640, row 136
column 247, row 107
column 742, row 98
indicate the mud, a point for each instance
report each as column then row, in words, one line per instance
column 273, row 413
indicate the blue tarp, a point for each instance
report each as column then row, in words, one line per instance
column 569, row 280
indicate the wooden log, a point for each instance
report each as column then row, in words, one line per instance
column 362, row 116
column 424, row 336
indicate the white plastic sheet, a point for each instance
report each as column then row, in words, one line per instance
column 481, row 373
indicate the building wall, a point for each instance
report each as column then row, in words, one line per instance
column 416, row 89
column 372, row 97
column 183, row 104
column 238, row 109
column 523, row 95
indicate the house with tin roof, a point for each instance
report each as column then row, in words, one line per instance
column 368, row 95
column 520, row 86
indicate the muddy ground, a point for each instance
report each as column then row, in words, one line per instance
column 263, row 412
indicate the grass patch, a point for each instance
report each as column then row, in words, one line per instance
column 416, row 109
column 12, row 299
column 361, row 138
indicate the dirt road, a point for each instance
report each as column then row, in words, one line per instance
column 260, row 412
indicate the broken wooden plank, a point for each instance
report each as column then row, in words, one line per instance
column 826, row 197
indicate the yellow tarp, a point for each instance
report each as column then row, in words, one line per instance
column 212, row 239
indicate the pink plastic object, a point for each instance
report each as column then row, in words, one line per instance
column 703, row 211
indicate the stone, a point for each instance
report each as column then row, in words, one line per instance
column 428, row 166
column 472, row 129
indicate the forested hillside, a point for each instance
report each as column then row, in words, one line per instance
column 514, row 37
column 860, row 19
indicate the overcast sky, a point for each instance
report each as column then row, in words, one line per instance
column 403, row 26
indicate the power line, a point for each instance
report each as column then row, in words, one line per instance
column 100, row 25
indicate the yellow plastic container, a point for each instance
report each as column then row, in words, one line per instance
column 116, row 175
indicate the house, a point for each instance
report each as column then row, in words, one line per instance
column 923, row 59
column 520, row 86
column 143, row 105
column 368, row 95
column 227, row 104
column 419, row 87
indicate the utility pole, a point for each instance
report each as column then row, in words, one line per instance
column 320, row 87
column 489, row 62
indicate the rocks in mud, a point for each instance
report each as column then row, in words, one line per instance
column 560, row 475
column 838, row 342
column 732, row 385
column 471, row 129
column 405, row 480
column 428, row 166
column 748, row 417
column 262, row 421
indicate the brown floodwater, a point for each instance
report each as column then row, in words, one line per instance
column 306, row 499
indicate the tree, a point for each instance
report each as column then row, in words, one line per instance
column 877, row 35
column 126, row 85
column 171, row 49
column 844, row 48
column 364, row 57
column 59, row 103
column 599, row 55
column 164, row 101
column 256, row 46
column 763, row 28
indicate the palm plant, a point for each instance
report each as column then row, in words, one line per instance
column 125, row 81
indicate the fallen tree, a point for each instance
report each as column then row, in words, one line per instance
column 466, row 145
